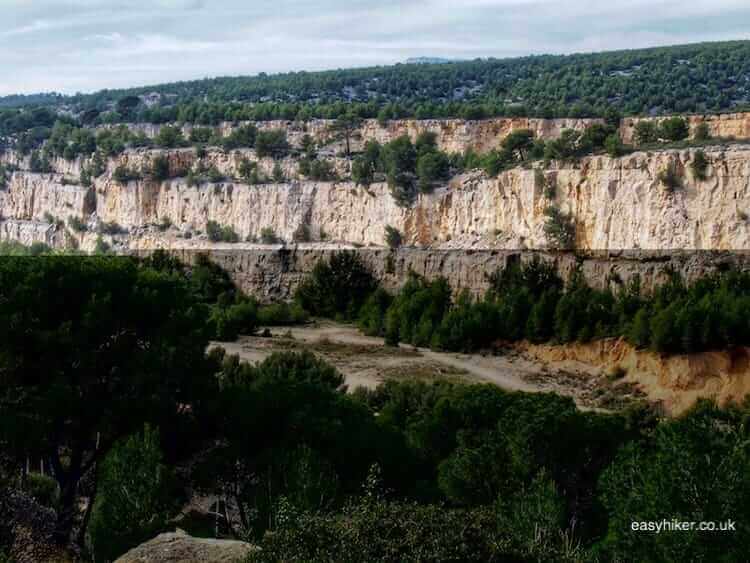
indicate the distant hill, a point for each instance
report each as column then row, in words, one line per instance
column 428, row 61
column 704, row 77
column 23, row 100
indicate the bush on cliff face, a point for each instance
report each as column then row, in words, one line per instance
column 124, row 175
column 4, row 177
column 170, row 137
column 241, row 137
column 559, row 228
column 271, row 143
column 219, row 233
column 159, row 170
column 699, row 165
column 317, row 169
column 674, row 129
column 646, row 132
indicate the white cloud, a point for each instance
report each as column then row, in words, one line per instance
column 91, row 44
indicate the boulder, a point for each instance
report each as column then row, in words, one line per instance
column 179, row 547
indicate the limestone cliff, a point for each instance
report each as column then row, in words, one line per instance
column 452, row 135
column 613, row 203
column 725, row 125
column 458, row 135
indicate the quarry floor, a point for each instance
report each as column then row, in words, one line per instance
column 366, row 361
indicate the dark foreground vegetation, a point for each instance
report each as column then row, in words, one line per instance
column 105, row 380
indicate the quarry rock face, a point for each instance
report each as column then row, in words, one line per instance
column 725, row 125
column 614, row 203
column 464, row 229
column 452, row 135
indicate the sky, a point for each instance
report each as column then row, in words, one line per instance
column 86, row 45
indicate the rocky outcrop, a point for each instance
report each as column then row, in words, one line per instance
column 273, row 273
column 452, row 135
column 725, row 125
column 458, row 135
column 178, row 547
column 675, row 381
column 613, row 203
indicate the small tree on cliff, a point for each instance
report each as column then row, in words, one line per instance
column 90, row 350
column 159, row 168
column 346, row 125
column 559, row 228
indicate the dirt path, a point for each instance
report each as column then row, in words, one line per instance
column 366, row 361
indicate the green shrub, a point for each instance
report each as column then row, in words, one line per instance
column 43, row 489
column 4, row 177
column 227, row 322
column 135, row 496
column 214, row 176
column 244, row 136
column 646, row 132
column 123, row 174
column 102, row 247
column 674, row 129
column 219, row 233
column 432, row 167
column 281, row 314
column 111, row 228
column 417, row 311
column 708, row 448
column 559, row 228
column 159, row 168
column 200, row 135
column 278, row 173
column 702, row 132
column 371, row 318
column 269, row 236
column 247, row 169
column 271, row 143
column 614, row 146
column 699, row 165
column 170, row 137
column 337, row 287
column 302, row 233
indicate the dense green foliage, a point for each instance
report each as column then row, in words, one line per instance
column 531, row 301
column 95, row 349
column 690, row 470
column 700, row 77
column 12, row 248
column 337, row 288
column 103, row 332
column 135, row 496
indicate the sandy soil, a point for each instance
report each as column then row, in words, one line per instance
column 365, row 361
